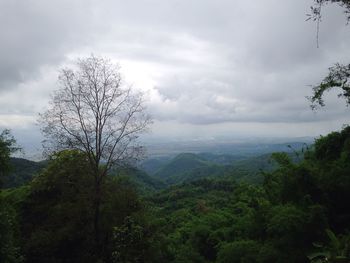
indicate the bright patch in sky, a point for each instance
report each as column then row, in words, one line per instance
column 208, row 68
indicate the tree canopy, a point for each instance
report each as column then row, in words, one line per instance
column 339, row 74
column 94, row 113
column 7, row 147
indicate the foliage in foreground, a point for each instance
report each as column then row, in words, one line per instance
column 300, row 213
column 280, row 221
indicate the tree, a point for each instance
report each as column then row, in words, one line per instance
column 337, row 250
column 7, row 147
column 316, row 9
column 93, row 112
column 9, row 248
column 338, row 77
column 62, row 193
column 10, row 251
column 339, row 74
column 239, row 251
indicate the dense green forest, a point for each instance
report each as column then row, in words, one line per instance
column 298, row 211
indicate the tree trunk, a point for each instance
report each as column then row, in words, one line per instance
column 97, row 204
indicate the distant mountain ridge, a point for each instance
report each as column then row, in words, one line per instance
column 187, row 167
column 249, row 148
column 162, row 171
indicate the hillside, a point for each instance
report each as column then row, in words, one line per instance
column 223, row 159
column 188, row 167
column 139, row 178
column 212, row 209
column 249, row 170
column 22, row 171
column 182, row 163
column 157, row 173
column 152, row 165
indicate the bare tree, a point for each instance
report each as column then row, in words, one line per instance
column 93, row 112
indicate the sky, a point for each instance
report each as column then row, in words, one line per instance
column 209, row 69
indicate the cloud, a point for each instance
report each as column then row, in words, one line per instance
column 203, row 63
column 36, row 33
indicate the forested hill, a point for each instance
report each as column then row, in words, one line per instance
column 182, row 164
column 299, row 213
column 143, row 182
column 158, row 173
column 183, row 168
column 22, row 171
column 187, row 167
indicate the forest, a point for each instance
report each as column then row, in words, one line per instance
column 294, row 210
column 96, row 198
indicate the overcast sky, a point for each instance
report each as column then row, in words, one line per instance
column 210, row 67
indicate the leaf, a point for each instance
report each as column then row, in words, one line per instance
column 335, row 244
column 319, row 255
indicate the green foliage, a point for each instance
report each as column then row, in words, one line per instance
column 152, row 165
column 7, row 147
column 314, row 191
column 133, row 241
column 191, row 167
column 9, row 230
column 339, row 74
column 128, row 239
column 143, row 182
column 10, row 251
column 332, row 146
column 210, row 220
column 337, row 249
column 240, row 251
column 215, row 219
column 182, row 163
column 57, row 215
column 338, row 77
column 22, row 172
column 10, row 236
column 61, row 193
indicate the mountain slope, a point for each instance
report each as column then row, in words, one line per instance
column 190, row 167
column 139, row 178
column 152, row 165
column 22, row 172
column 182, row 163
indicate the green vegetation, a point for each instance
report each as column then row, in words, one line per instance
column 220, row 220
column 188, row 167
column 140, row 179
column 22, row 172
column 298, row 213
column 87, row 205
column 54, row 213
column 7, row 147
column 182, row 166
column 339, row 74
